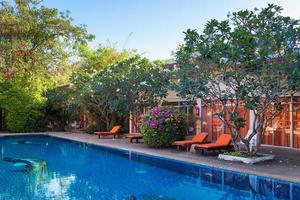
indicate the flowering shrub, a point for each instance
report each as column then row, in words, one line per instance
column 161, row 127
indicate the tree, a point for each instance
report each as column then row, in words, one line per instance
column 105, row 55
column 59, row 110
column 247, row 61
column 143, row 84
column 35, row 42
column 92, row 61
column 127, row 86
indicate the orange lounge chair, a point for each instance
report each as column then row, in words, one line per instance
column 199, row 138
column 115, row 131
column 223, row 142
column 134, row 136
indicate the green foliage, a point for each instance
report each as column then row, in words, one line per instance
column 36, row 43
column 137, row 83
column 34, row 38
column 22, row 98
column 127, row 86
column 91, row 129
column 93, row 60
column 161, row 127
column 246, row 61
column 239, row 154
column 59, row 110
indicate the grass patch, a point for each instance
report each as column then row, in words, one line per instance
column 242, row 154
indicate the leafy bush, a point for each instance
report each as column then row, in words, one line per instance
column 91, row 129
column 59, row 110
column 161, row 127
column 242, row 154
column 22, row 99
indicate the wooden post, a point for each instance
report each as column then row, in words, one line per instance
column 211, row 125
column 130, row 122
column 273, row 128
column 199, row 120
column 199, row 102
column 291, row 122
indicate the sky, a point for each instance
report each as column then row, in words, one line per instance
column 154, row 27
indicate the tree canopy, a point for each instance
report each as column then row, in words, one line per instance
column 247, row 61
column 105, row 55
column 127, row 86
column 36, row 42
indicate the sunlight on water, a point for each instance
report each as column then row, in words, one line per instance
column 58, row 187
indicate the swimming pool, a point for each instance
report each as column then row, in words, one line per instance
column 44, row 167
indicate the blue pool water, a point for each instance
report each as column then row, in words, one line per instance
column 42, row 167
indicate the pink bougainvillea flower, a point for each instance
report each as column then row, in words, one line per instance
column 152, row 124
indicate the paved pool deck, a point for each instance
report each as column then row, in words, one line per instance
column 285, row 166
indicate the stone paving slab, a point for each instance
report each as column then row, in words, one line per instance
column 286, row 165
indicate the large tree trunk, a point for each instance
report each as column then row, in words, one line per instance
column 132, row 119
column 234, row 140
column 257, row 131
column 107, row 122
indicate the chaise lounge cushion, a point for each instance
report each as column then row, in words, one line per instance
column 197, row 139
column 223, row 140
column 114, row 131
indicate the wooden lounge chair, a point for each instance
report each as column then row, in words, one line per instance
column 134, row 136
column 199, row 138
column 115, row 131
column 222, row 143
